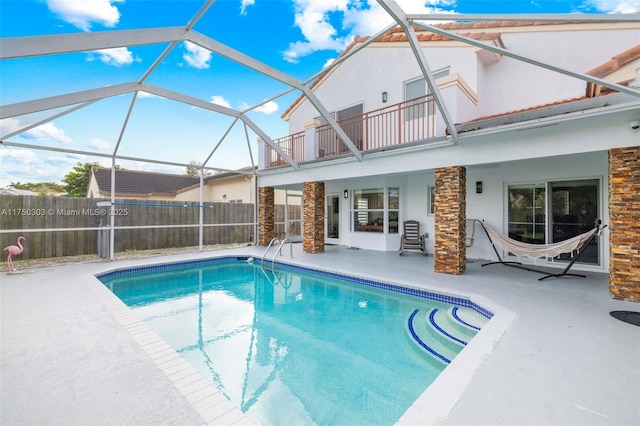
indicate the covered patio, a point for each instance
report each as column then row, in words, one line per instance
column 552, row 354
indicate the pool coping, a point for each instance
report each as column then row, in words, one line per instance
column 432, row 406
column 203, row 396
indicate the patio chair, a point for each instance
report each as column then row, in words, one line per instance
column 412, row 239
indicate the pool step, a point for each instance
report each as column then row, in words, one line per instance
column 467, row 320
column 442, row 334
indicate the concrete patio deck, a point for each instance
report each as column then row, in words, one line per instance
column 72, row 354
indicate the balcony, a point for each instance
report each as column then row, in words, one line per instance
column 394, row 125
column 292, row 145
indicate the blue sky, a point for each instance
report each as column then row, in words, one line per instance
column 297, row 37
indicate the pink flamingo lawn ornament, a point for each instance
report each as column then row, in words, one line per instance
column 13, row 251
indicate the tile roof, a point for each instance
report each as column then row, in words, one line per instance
column 614, row 64
column 538, row 112
column 398, row 35
column 135, row 182
column 523, row 110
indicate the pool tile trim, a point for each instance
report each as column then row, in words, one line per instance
column 378, row 284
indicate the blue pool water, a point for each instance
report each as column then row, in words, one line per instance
column 294, row 346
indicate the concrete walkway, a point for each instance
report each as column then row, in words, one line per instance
column 72, row 354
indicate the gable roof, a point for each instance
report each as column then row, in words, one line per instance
column 473, row 28
column 135, row 182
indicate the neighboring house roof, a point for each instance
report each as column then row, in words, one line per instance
column 248, row 171
column 135, row 182
column 10, row 190
column 397, row 34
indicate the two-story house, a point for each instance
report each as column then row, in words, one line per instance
column 497, row 121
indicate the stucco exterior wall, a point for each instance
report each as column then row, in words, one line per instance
column 510, row 84
column 503, row 85
column 380, row 69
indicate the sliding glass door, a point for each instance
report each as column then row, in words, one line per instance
column 554, row 211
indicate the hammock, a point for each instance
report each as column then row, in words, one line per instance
column 574, row 246
column 536, row 251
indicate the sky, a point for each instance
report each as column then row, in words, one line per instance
column 297, row 37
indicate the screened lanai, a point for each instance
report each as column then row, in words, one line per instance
column 154, row 118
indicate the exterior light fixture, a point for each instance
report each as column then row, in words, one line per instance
column 384, row 97
column 346, row 193
column 479, row 187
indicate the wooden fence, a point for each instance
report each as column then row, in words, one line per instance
column 225, row 223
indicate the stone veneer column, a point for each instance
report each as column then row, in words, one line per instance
column 450, row 220
column 313, row 220
column 624, row 223
column 266, row 215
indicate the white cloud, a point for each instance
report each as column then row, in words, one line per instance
column 22, row 156
column 328, row 62
column 9, row 125
column 47, row 132
column 117, row 56
column 612, row 6
column 220, row 100
column 147, row 95
column 322, row 29
column 245, row 4
column 82, row 13
column 196, row 56
column 23, row 165
column 268, row 108
column 99, row 144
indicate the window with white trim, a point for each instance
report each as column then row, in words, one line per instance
column 375, row 210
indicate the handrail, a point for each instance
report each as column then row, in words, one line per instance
column 274, row 240
column 286, row 240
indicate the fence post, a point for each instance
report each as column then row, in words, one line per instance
column 103, row 241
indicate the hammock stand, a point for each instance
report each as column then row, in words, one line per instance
column 535, row 251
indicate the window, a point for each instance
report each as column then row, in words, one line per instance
column 572, row 206
column 527, row 213
column 393, row 209
column 417, row 89
column 431, row 200
column 351, row 121
column 412, row 90
column 370, row 214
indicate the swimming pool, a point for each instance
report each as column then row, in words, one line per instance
column 295, row 346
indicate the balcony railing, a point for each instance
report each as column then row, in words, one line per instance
column 405, row 122
column 408, row 121
column 292, row 145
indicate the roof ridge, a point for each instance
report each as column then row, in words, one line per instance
column 145, row 172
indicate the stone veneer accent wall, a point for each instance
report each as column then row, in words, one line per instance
column 313, row 220
column 624, row 223
column 450, row 220
column 266, row 215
